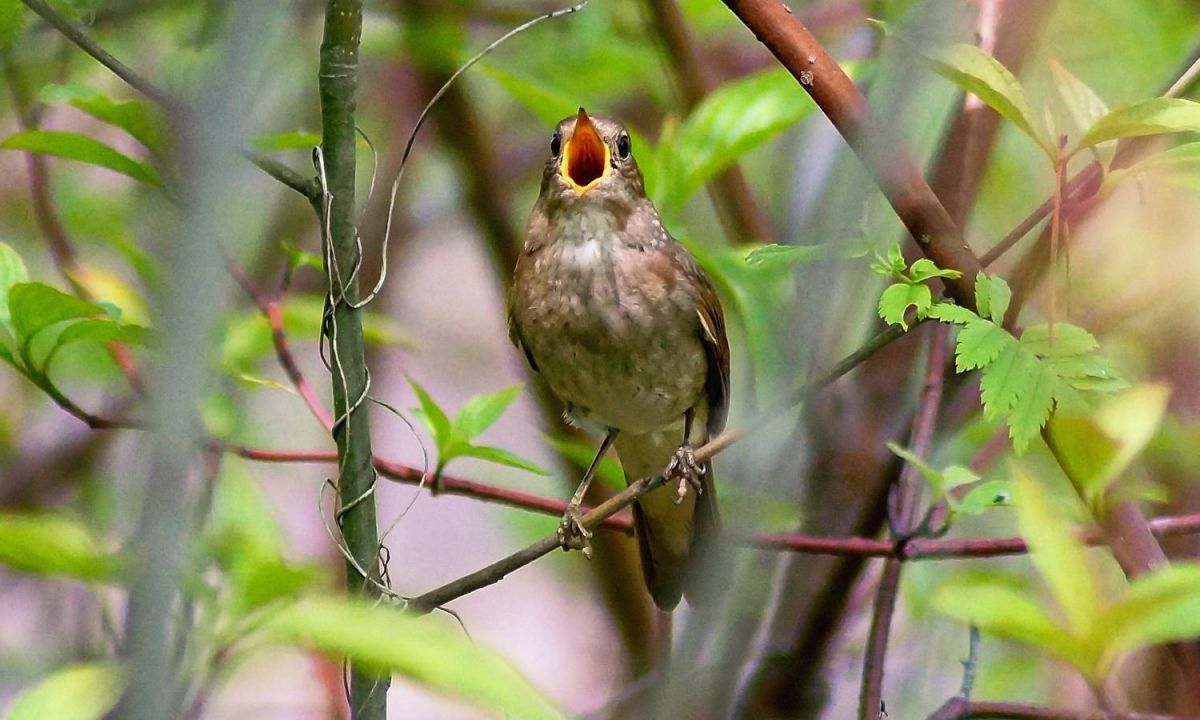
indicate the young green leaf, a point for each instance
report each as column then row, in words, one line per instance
column 924, row 269
column 12, row 272
column 979, row 344
column 992, row 296
column 899, row 297
column 1180, row 160
column 1056, row 553
column 501, row 457
column 54, row 545
column 1156, row 116
column 73, row 146
column 482, row 411
column 736, row 118
column 773, row 256
column 76, row 692
column 1018, row 386
column 35, row 306
column 993, row 493
column 548, row 106
column 951, row 313
column 1162, row 606
column 434, row 418
column 937, row 483
column 140, row 119
column 1084, row 105
column 100, row 330
column 425, row 650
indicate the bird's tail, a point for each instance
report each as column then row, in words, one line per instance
column 673, row 539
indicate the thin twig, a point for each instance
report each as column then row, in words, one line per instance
column 959, row 709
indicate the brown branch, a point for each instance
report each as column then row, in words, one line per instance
column 740, row 214
column 906, row 495
column 960, row 709
column 892, row 167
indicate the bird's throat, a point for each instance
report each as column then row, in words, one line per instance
column 586, row 160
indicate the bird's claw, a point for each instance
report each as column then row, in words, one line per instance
column 690, row 472
column 572, row 534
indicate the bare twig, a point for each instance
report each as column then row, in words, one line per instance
column 960, row 709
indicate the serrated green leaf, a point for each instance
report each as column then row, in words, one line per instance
column 12, row 272
column 924, row 269
column 1084, row 105
column 951, row 313
column 1056, row 553
column 482, row 411
column 992, row 296
column 278, row 142
column 73, row 146
column 998, row 608
column 993, row 493
column 12, row 20
column 1156, row 116
column 731, row 121
column 426, row 650
column 499, row 456
column 435, row 419
column 979, row 344
column 35, row 306
column 75, row 692
column 140, row 119
column 899, row 297
column 1069, row 340
column 1032, row 408
column 984, row 76
column 772, row 256
column 54, row 545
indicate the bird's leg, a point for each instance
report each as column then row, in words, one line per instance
column 571, row 532
column 683, row 463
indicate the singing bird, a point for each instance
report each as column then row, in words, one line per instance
column 628, row 332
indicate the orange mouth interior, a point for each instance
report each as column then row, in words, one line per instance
column 586, row 155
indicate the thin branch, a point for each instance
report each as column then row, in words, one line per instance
column 306, row 186
column 76, row 35
column 907, row 496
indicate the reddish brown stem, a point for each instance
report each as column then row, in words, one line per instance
column 959, row 709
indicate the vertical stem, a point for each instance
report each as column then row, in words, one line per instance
column 338, row 85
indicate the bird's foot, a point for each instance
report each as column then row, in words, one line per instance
column 690, row 472
column 572, row 534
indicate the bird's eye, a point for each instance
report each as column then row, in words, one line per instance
column 623, row 146
column 555, row 145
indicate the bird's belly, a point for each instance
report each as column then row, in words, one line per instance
column 633, row 372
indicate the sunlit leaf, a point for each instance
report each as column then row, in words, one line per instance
column 1156, row 116
column 138, row 118
column 951, row 313
column 979, row 344
column 993, row 493
column 482, row 411
column 992, row 296
column 1084, row 105
column 12, row 272
column 428, row 651
column 1181, row 160
column 1056, row 553
column 54, row 545
column 35, row 306
column 924, row 269
column 75, row 692
column 899, row 297
column 435, row 419
column 1161, row 606
column 501, row 457
column 73, row 146
column 770, row 256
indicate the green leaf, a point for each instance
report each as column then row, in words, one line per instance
column 140, row 119
column 54, row 545
column 427, row 650
column 992, row 296
column 1056, row 553
column 34, row 306
column 499, row 456
column 1161, row 606
column 924, row 269
column 75, row 692
column 993, row 493
column 12, row 19
column 1180, row 160
column 73, row 146
column 899, row 297
column 1006, row 379
column 12, row 272
column 772, row 256
column 979, row 344
column 278, row 142
column 1156, row 116
column 985, row 77
column 951, row 313
column 1069, row 340
column 1084, row 105
column 937, row 483
column 736, row 118
column 547, row 106
column 998, row 608
column 435, row 419
column 482, row 411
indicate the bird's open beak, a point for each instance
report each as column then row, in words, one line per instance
column 586, row 157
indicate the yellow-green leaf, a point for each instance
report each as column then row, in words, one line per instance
column 73, row 146
column 76, row 692
column 1156, row 116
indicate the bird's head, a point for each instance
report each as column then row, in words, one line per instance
column 591, row 159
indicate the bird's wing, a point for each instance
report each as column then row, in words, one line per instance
column 713, row 336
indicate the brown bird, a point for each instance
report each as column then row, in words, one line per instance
column 628, row 331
